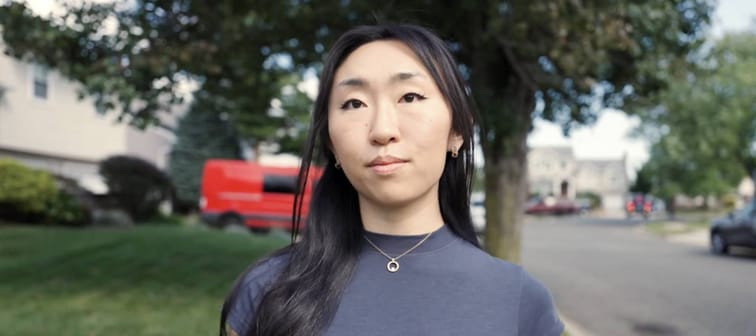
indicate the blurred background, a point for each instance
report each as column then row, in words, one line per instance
column 149, row 151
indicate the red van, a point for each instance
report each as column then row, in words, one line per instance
column 259, row 197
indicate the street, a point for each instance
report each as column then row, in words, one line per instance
column 611, row 278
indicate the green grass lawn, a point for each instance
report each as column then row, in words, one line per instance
column 150, row 280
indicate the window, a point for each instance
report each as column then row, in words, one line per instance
column 39, row 84
column 746, row 211
column 282, row 184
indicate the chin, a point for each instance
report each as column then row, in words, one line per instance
column 394, row 197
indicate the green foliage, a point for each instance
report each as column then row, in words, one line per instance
column 239, row 53
column 705, row 124
column 137, row 186
column 568, row 52
column 32, row 195
column 147, row 281
column 24, row 191
column 479, row 179
column 561, row 60
column 201, row 135
column 65, row 209
column 642, row 182
column 594, row 198
column 294, row 117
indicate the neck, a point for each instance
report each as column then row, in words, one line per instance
column 416, row 217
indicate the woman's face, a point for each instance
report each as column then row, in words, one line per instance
column 389, row 124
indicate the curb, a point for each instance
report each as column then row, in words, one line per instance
column 572, row 328
column 697, row 237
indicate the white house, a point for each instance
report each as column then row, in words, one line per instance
column 555, row 171
column 44, row 125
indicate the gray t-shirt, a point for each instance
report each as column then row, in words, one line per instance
column 444, row 287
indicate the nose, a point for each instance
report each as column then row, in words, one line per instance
column 385, row 125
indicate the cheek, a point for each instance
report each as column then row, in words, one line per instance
column 344, row 137
column 430, row 133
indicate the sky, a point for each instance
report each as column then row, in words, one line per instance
column 609, row 137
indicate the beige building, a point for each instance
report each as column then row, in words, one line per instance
column 44, row 125
column 555, row 171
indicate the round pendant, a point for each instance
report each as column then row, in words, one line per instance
column 392, row 266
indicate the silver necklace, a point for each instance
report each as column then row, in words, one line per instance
column 393, row 264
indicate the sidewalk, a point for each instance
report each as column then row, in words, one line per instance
column 696, row 238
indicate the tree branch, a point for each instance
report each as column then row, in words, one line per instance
column 519, row 71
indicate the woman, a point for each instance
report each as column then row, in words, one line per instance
column 389, row 247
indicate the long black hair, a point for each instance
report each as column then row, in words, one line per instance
column 303, row 299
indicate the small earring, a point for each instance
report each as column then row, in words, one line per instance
column 454, row 152
column 337, row 165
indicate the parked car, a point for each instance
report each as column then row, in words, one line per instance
column 242, row 193
column 551, row 206
column 478, row 211
column 738, row 228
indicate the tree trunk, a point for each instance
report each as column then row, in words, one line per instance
column 506, row 187
column 505, row 97
column 506, row 184
column 669, row 204
column 753, row 180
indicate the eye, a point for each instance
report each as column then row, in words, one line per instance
column 352, row 104
column 411, row 97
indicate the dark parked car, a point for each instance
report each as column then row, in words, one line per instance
column 738, row 228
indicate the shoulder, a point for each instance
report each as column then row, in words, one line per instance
column 493, row 268
column 536, row 311
column 249, row 290
column 264, row 272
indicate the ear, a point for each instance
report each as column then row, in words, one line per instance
column 455, row 141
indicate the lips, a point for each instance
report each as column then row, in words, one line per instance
column 383, row 165
column 385, row 160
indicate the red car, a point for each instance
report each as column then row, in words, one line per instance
column 243, row 193
column 551, row 206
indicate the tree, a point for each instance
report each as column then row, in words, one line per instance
column 705, row 123
column 642, row 182
column 132, row 58
column 202, row 134
column 561, row 60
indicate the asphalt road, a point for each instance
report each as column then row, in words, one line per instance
column 611, row 278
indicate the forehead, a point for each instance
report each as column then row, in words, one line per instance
column 379, row 60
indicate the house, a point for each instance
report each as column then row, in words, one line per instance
column 44, row 125
column 555, row 171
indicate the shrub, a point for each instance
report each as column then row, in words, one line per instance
column 25, row 193
column 729, row 201
column 65, row 209
column 593, row 197
column 137, row 186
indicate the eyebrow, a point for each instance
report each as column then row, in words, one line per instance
column 398, row 77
